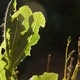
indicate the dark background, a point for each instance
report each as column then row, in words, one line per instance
column 62, row 20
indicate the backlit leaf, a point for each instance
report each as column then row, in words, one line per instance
column 46, row 76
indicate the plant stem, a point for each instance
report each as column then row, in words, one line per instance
column 75, row 73
column 66, row 55
column 76, row 69
column 48, row 62
column 78, row 63
column 70, row 69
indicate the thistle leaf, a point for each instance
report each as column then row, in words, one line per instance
column 21, row 32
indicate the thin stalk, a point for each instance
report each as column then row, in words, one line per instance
column 48, row 62
column 75, row 73
column 65, row 67
column 70, row 69
column 70, row 54
column 66, row 55
column 74, row 76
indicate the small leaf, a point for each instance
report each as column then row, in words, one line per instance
column 46, row 76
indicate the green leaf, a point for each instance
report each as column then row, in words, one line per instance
column 19, row 50
column 20, row 25
column 24, row 33
column 21, row 31
column 2, row 65
column 0, row 52
column 2, row 71
column 11, row 8
column 1, row 56
column 46, row 76
column 2, row 62
column 39, row 21
column 2, row 75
